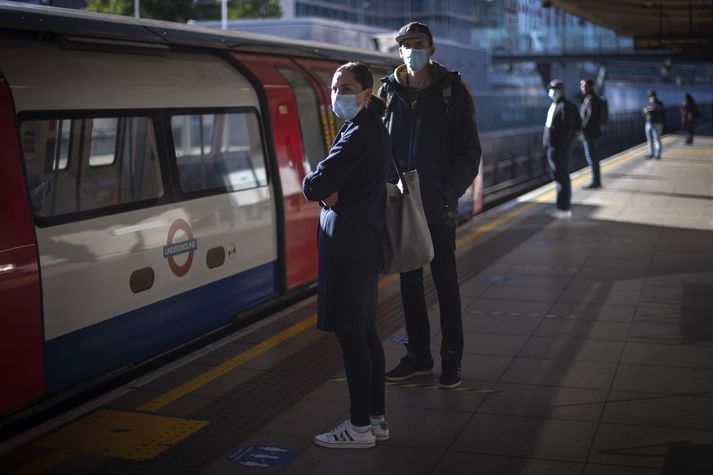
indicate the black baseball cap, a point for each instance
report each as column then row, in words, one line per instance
column 651, row 92
column 555, row 84
column 414, row 30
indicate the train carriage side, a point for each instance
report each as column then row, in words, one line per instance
column 148, row 179
column 21, row 344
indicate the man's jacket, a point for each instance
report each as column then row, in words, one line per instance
column 590, row 111
column 565, row 123
column 655, row 112
column 436, row 135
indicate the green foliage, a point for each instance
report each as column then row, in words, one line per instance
column 184, row 10
column 119, row 7
column 254, row 9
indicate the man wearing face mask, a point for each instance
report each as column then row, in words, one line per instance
column 655, row 118
column 431, row 119
column 563, row 121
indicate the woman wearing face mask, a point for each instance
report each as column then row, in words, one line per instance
column 349, row 185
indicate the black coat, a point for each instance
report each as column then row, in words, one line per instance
column 350, row 234
column 565, row 123
column 442, row 145
column 590, row 112
column 655, row 112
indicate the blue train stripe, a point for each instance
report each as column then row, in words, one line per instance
column 145, row 332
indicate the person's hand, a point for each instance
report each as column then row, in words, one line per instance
column 331, row 200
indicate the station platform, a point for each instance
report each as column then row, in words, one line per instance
column 588, row 350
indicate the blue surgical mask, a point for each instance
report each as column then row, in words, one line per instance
column 345, row 106
column 554, row 94
column 415, row 59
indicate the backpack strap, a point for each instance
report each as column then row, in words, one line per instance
column 386, row 94
column 447, row 96
column 447, row 100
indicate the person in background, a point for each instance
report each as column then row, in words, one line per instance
column 562, row 123
column 689, row 116
column 431, row 118
column 591, row 112
column 655, row 118
column 349, row 184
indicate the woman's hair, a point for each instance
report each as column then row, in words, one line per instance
column 361, row 73
column 363, row 76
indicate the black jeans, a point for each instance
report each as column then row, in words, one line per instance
column 445, row 279
column 364, row 365
column 559, row 169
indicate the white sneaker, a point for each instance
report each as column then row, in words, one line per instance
column 344, row 436
column 561, row 214
column 380, row 430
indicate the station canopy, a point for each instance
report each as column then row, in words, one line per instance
column 672, row 21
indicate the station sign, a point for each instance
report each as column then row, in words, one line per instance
column 674, row 43
column 186, row 246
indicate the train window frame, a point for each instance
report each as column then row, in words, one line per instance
column 152, row 115
column 326, row 76
column 180, row 193
column 315, row 98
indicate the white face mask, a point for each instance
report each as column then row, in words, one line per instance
column 415, row 59
column 554, row 94
column 345, row 106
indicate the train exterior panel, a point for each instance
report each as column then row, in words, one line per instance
column 300, row 215
column 140, row 250
column 21, row 342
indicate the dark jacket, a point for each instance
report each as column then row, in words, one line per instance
column 590, row 112
column 443, row 145
column 565, row 123
column 689, row 114
column 655, row 112
column 349, row 238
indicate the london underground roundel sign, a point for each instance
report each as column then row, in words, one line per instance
column 173, row 248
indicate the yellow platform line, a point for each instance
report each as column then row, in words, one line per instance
column 214, row 373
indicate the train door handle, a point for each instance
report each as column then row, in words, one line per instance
column 141, row 279
column 215, row 257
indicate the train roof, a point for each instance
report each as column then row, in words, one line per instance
column 78, row 26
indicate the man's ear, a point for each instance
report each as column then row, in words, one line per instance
column 431, row 51
column 401, row 54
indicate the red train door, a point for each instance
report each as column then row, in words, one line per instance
column 21, row 339
column 293, row 158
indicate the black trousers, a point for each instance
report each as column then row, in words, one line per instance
column 689, row 128
column 445, row 279
column 365, row 366
column 558, row 159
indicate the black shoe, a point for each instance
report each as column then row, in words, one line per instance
column 593, row 186
column 450, row 376
column 410, row 367
column 658, row 158
column 649, row 156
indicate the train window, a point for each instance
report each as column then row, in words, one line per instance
column 312, row 126
column 103, row 142
column 81, row 164
column 218, row 151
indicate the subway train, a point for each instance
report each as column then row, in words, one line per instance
column 151, row 187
